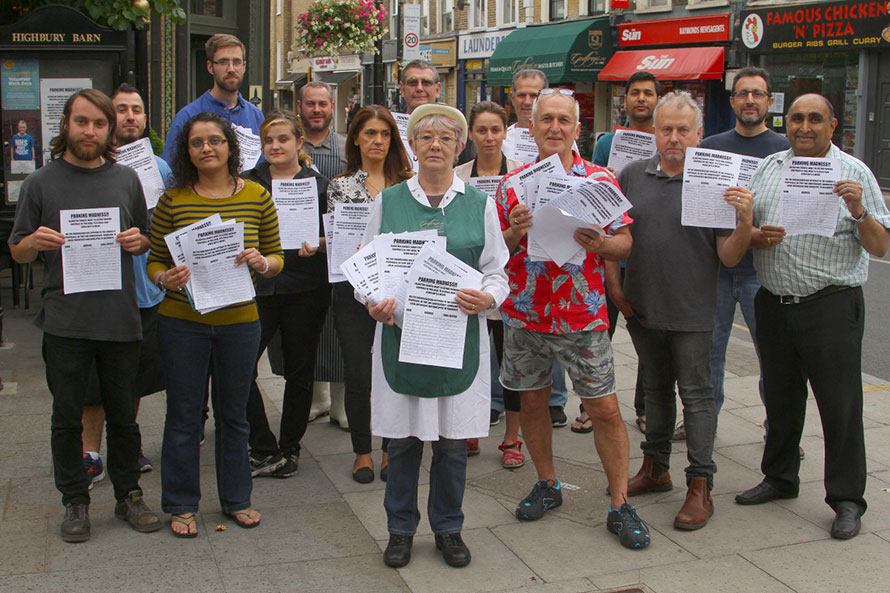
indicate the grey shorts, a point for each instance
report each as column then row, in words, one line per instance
column 586, row 356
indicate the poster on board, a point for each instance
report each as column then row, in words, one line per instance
column 54, row 92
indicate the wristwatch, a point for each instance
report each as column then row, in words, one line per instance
column 160, row 283
column 861, row 218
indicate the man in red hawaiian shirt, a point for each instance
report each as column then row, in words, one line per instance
column 560, row 312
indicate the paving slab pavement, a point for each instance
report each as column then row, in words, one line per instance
column 322, row 531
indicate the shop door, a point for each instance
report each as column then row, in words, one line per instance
column 881, row 167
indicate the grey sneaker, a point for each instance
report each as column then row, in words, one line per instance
column 76, row 524
column 627, row 525
column 265, row 465
column 289, row 468
column 134, row 511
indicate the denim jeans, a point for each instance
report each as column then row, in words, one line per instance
column 188, row 350
column 731, row 289
column 448, row 476
column 298, row 317
column 68, row 365
column 670, row 357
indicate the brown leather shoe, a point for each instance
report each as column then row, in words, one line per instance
column 649, row 479
column 698, row 507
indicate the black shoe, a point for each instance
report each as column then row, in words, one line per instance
column 134, row 511
column 543, row 497
column 264, row 465
column 384, row 473
column 398, row 550
column 558, row 417
column 289, row 468
column 761, row 493
column 847, row 523
column 363, row 475
column 76, row 524
column 495, row 418
column 454, row 550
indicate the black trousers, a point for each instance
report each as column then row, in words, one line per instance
column 511, row 398
column 355, row 330
column 68, row 364
column 639, row 394
column 299, row 317
column 819, row 341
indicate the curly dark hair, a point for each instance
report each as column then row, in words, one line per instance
column 184, row 169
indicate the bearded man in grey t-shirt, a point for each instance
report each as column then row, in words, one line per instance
column 83, row 326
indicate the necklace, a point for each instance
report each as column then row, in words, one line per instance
column 373, row 189
column 213, row 195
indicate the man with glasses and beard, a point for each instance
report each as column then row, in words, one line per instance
column 82, row 329
column 226, row 64
column 751, row 99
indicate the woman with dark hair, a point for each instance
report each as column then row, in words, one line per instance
column 223, row 342
column 375, row 160
column 487, row 130
column 294, row 303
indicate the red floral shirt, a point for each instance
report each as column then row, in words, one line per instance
column 545, row 297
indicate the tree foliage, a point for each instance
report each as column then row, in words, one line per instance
column 116, row 14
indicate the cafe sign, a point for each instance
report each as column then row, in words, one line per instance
column 823, row 26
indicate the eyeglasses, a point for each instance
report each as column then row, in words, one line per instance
column 566, row 92
column 214, row 141
column 225, row 62
column 427, row 139
column 743, row 94
column 415, row 82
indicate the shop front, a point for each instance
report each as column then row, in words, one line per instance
column 442, row 53
column 473, row 53
column 685, row 54
column 571, row 54
column 840, row 50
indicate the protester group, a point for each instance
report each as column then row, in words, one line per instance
column 466, row 179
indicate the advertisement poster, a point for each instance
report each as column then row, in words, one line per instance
column 20, row 84
column 53, row 94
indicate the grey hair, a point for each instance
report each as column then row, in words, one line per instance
column 530, row 73
column 435, row 120
column 572, row 97
column 679, row 99
column 422, row 65
column 317, row 84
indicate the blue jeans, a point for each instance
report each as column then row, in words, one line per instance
column 731, row 289
column 448, row 476
column 669, row 357
column 189, row 350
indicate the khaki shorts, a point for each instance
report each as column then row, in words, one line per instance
column 586, row 356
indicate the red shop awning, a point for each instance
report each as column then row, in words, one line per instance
column 681, row 63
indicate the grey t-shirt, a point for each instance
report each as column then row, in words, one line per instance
column 671, row 275
column 111, row 315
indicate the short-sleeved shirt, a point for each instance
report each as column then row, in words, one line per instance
column 671, row 274
column 110, row 315
column 548, row 298
column 602, row 148
column 803, row 264
column 244, row 114
column 22, row 148
column 760, row 146
column 148, row 295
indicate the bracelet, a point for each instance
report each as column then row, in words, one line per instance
column 265, row 269
column 861, row 218
column 160, row 283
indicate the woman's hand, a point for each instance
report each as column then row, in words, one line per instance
column 383, row 311
column 306, row 250
column 253, row 258
column 472, row 301
column 175, row 278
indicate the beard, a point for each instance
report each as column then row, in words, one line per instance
column 86, row 154
column 751, row 120
column 122, row 137
column 230, row 84
column 325, row 124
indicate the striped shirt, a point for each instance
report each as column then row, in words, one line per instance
column 181, row 207
column 804, row 264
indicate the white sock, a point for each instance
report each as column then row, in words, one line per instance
column 93, row 454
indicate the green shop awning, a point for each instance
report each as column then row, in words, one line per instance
column 570, row 51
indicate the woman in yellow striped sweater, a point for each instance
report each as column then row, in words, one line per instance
column 223, row 342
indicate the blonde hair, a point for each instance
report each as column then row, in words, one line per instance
column 288, row 118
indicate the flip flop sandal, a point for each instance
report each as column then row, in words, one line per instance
column 512, row 452
column 242, row 513
column 183, row 520
column 585, row 427
column 472, row 447
column 641, row 423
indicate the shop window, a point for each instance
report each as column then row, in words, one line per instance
column 597, row 6
column 425, row 17
column 477, row 14
column 654, row 5
column 207, row 7
column 557, row 10
column 446, row 23
column 508, row 12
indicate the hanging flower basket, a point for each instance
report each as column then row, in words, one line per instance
column 331, row 27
